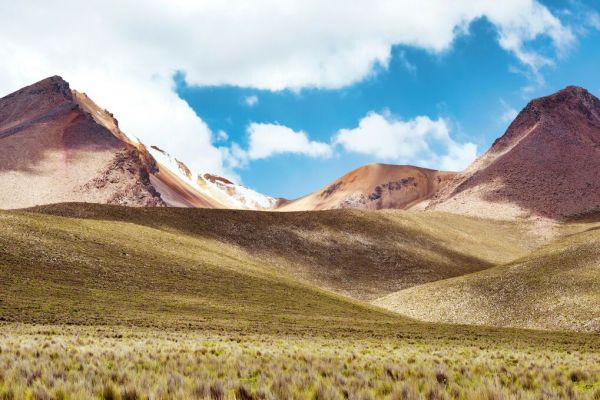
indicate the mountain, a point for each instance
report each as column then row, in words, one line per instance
column 554, row 287
column 57, row 145
column 546, row 164
column 376, row 186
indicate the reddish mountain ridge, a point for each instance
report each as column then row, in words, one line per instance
column 376, row 186
column 546, row 164
column 57, row 145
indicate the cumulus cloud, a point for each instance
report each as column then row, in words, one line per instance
column 412, row 141
column 266, row 140
column 513, row 35
column 251, row 101
column 458, row 157
column 125, row 53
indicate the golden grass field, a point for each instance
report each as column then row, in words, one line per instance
column 119, row 303
column 555, row 287
column 436, row 362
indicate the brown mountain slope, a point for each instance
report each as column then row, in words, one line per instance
column 52, row 149
column 375, row 186
column 57, row 145
column 546, row 164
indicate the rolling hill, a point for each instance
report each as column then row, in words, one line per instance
column 359, row 253
column 554, row 287
column 58, row 270
column 57, row 145
column 112, row 302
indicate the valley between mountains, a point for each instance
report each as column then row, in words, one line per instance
column 125, row 274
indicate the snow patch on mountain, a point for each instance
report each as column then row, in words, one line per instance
column 216, row 187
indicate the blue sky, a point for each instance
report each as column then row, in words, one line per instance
column 475, row 86
column 287, row 95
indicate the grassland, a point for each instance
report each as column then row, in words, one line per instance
column 362, row 254
column 76, row 271
column 59, row 362
column 117, row 303
column 555, row 287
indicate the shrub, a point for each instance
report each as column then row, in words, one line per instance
column 7, row 394
column 217, row 392
column 577, row 376
column 281, row 389
column 406, row 392
column 201, row 391
column 129, row 394
column 110, row 393
column 441, row 377
column 324, row 392
column 242, row 393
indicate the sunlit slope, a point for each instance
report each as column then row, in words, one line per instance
column 556, row 287
column 363, row 254
column 63, row 270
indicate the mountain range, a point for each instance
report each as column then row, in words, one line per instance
column 57, row 145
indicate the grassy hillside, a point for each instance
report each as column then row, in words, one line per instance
column 201, row 304
column 363, row 254
column 65, row 270
column 555, row 287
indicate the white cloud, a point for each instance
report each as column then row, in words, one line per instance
column 251, row 101
column 266, row 140
column 593, row 20
column 407, row 142
column 514, row 34
column 410, row 67
column 458, row 157
column 221, row 136
column 509, row 113
column 124, row 53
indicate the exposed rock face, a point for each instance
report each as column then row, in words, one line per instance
column 376, row 186
column 215, row 178
column 126, row 181
column 546, row 164
column 56, row 145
